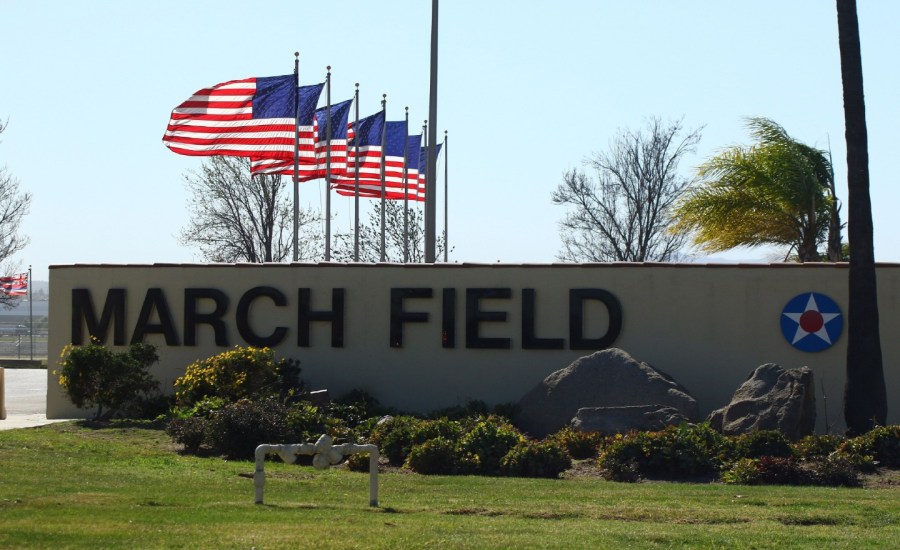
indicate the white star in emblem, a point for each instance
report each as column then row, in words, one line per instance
column 813, row 307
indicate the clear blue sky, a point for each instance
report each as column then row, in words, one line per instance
column 526, row 91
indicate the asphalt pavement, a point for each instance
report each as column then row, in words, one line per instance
column 25, row 398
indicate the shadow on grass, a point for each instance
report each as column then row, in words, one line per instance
column 121, row 424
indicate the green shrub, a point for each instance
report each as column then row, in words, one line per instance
column 356, row 407
column 817, row 446
column 483, row 447
column 580, row 445
column 358, row 462
column 238, row 428
column 439, row 427
column 881, row 445
column 834, row 470
column 536, row 459
column 675, row 452
column 742, row 472
column 781, row 471
column 763, row 443
column 436, row 456
column 188, row 431
column 395, row 437
column 92, row 375
column 240, row 373
column 307, row 423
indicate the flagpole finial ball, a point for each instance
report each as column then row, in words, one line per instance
column 328, row 68
column 357, row 84
column 296, row 54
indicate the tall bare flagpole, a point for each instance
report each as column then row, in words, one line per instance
column 296, row 156
column 431, row 170
column 383, row 137
column 30, row 290
column 446, row 159
column 356, row 138
column 406, row 190
column 328, row 165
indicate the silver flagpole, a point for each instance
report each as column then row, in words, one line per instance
column 406, row 191
column 446, row 158
column 296, row 156
column 356, row 178
column 30, row 290
column 383, row 134
column 425, row 148
column 431, row 170
column 328, row 165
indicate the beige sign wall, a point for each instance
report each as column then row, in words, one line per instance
column 708, row 326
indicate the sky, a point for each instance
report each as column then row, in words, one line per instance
column 526, row 91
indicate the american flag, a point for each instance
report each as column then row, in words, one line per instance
column 367, row 136
column 307, row 97
column 315, row 167
column 423, row 162
column 244, row 118
column 395, row 141
column 14, row 285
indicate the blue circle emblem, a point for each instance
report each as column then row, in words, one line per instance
column 811, row 322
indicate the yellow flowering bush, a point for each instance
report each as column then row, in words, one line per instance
column 239, row 373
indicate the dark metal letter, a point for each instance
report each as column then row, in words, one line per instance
column 83, row 309
column 243, row 317
column 474, row 316
column 577, row 296
column 529, row 340
column 192, row 317
column 155, row 299
column 305, row 316
column 398, row 316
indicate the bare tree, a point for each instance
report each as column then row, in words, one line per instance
column 370, row 237
column 624, row 214
column 14, row 205
column 238, row 218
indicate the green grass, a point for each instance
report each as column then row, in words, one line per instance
column 70, row 486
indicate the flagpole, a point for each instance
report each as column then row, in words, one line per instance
column 28, row 289
column 425, row 148
column 296, row 155
column 446, row 160
column 406, row 190
column 383, row 136
column 431, row 169
column 328, row 164
column 356, row 179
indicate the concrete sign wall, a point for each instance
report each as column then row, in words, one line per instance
column 421, row 337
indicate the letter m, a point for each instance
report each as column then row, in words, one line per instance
column 83, row 313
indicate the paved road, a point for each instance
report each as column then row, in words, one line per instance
column 25, row 398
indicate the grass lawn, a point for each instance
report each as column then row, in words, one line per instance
column 70, row 485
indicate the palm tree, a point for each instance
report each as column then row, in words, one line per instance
column 777, row 191
column 865, row 395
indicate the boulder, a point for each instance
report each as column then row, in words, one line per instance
column 772, row 398
column 612, row 420
column 608, row 378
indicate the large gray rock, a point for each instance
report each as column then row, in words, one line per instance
column 608, row 378
column 772, row 398
column 613, row 420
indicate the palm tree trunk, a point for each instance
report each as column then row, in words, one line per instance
column 865, row 396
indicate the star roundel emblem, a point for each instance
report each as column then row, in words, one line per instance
column 811, row 322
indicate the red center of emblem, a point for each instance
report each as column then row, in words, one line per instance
column 811, row 321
